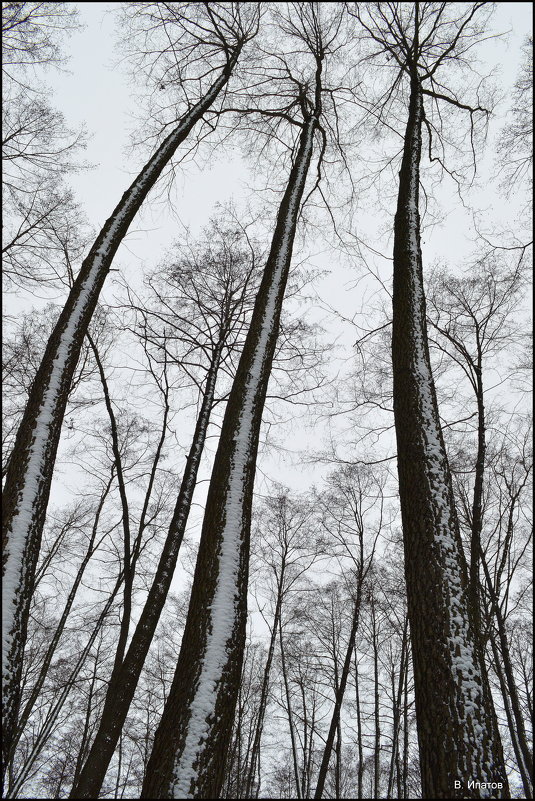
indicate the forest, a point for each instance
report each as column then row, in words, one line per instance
column 267, row 447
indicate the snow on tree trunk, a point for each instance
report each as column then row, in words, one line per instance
column 123, row 683
column 188, row 757
column 460, row 748
column 29, row 475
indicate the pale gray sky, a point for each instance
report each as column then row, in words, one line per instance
column 95, row 90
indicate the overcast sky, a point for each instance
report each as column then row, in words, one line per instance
column 95, row 90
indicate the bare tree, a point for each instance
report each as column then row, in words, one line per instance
column 345, row 511
column 515, row 146
column 30, row 34
column 220, row 32
column 475, row 323
column 203, row 306
column 458, row 733
column 41, row 218
column 191, row 743
column 286, row 550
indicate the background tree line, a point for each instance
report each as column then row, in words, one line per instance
column 340, row 640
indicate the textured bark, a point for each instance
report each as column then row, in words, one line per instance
column 29, row 476
column 171, row 768
column 457, row 727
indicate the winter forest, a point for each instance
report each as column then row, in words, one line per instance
column 267, row 454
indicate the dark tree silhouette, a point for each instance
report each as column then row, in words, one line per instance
column 457, row 728
column 190, row 747
column 29, row 475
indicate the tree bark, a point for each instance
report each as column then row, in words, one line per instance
column 460, row 748
column 191, row 743
column 29, row 475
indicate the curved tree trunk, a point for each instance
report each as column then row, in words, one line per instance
column 460, row 748
column 190, row 747
column 29, row 476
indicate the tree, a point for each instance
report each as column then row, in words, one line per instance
column 472, row 319
column 42, row 233
column 192, row 740
column 246, row 723
column 221, row 34
column 287, row 548
column 453, row 700
column 30, row 33
column 344, row 512
column 204, row 302
column 515, row 146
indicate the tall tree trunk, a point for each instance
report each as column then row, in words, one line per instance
column 290, row 715
column 255, row 753
column 510, row 696
column 457, row 729
column 191, row 743
column 360, row 770
column 29, row 475
column 126, row 675
column 477, row 505
column 338, row 761
column 335, row 719
column 126, row 609
column 396, row 714
column 377, row 744
column 504, row 671
column 405, row 776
